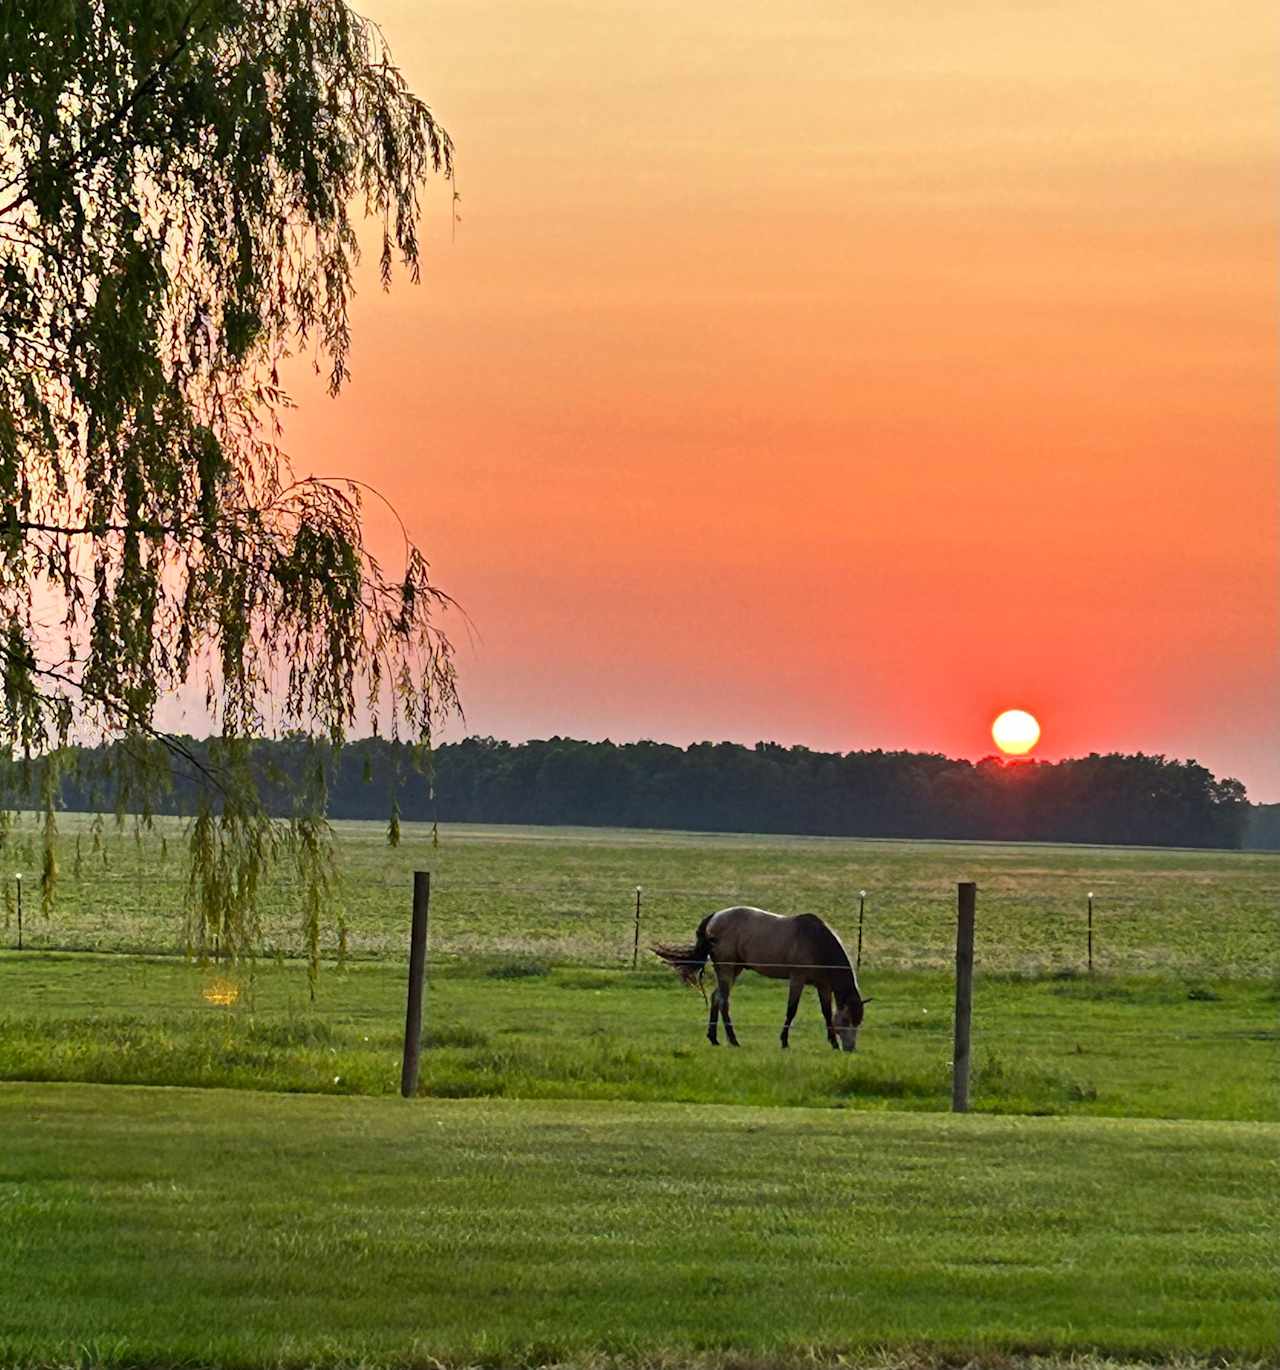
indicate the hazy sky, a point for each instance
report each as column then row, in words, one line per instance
column 844, row 373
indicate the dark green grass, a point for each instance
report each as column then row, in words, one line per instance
column 557, row 894
column 1070, row 1045
column 158, row 1228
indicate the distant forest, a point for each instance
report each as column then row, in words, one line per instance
column 726, row 787
column 1263, row 832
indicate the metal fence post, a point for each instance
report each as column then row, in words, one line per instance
column 967, row 898
column 18, row 878
column 862, row 904
column 417, row 980
column 635, row 948
column 1090, row 932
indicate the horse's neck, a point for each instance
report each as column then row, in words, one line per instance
column 844, row 983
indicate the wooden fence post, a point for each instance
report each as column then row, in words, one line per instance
column 967, row 898
column 417, row 981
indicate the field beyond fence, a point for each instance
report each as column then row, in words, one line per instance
column 568, row 896
column 531, row 990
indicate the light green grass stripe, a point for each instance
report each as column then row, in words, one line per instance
column 163, row 1226
column 568, row 894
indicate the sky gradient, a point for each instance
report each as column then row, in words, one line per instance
column 843, row 374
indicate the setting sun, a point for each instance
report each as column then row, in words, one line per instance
column 1015, row 732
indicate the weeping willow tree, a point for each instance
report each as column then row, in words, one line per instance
column 180, row 186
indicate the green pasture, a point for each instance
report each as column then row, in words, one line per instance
column 1108, row 1045
column 568, row 895
column 165, row 1228
column 552, row 1196
column 532, row 993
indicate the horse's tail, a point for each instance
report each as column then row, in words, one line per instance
column 688, row 962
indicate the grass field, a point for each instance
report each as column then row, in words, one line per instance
column 161, row 1228
column 568, row 895
column 1108, row 1046
column 554, row 1196
column 543, row 1004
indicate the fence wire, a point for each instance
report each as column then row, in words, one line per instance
column 553, row 900
column 1218, row 932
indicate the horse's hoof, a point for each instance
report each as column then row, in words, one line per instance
column 715, row 1042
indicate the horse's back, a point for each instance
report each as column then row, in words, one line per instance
column 773, row 944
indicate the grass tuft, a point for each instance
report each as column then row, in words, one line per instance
column 521, row 969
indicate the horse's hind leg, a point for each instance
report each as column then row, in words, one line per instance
column 714, row 1018
column 824, row 998
column 725, row 985
column 793, row 1002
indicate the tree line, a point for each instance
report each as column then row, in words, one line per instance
column 723, row 787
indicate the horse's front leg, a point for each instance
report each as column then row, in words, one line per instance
column 824, row 998
column 793, row 1002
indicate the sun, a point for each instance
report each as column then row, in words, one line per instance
column 1015, row 732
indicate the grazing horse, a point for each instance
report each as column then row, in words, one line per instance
column 802, row 949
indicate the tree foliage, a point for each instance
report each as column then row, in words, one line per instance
column 180, row 185
column 726, row 787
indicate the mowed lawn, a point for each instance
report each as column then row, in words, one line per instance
column 164, row 1227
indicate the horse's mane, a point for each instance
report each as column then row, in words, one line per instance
column 827, row 951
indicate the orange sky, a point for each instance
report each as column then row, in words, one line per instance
column 843, row 373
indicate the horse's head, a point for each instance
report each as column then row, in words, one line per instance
column 847, row 1019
